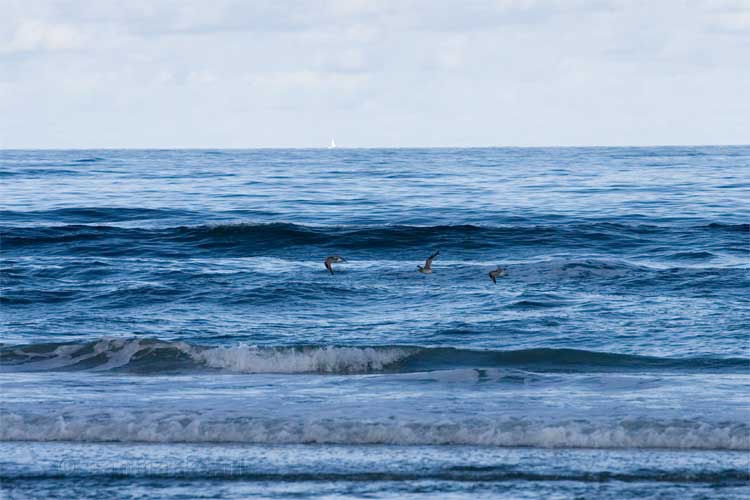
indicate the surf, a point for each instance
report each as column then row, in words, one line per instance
column 184, row 426
column 154, row 356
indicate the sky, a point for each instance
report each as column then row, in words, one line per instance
column 396, row 73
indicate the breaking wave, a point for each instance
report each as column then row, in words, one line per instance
column 123, row 425
column 152, row 356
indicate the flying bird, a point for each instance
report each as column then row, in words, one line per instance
column 333, row 259
column 497, row 273
column 427, row 269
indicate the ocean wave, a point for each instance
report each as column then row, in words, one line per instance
column 257, row 238
column 93, row 159
column 682, row 272
column 123, row 425
column 68, row 471
column 153, row 356
column 94, row 214
column 742, row 228
column 39, row 172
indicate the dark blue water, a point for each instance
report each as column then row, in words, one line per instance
column 169, row 299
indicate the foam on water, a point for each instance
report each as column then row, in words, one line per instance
column 252, row 359
column 212, row 427
column 144, row 355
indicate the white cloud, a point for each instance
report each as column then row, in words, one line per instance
column 37, row 35
column 185, row 73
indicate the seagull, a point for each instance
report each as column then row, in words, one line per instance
column 497, row 273
column 333, row 259
column 427, row 269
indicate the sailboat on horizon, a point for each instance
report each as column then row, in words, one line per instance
column 333, row 144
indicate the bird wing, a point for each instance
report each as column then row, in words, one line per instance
column 328, row 266
column 492, row 277
column 428, row 262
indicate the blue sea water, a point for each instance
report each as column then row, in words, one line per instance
column 169, row 329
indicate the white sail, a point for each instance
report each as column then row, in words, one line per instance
column 333, row 144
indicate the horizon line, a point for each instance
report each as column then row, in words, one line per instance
column 326, row 148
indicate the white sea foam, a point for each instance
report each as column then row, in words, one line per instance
column 145, row 355
column 113, row 353
column 253, row 359
column 180, row 427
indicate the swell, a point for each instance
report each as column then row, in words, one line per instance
column 151, row 356
column 92, row 215
column 254, row 239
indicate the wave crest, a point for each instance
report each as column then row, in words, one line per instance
column 327, row 359
column 151, row 356
column 259, row 238
column 190, row 427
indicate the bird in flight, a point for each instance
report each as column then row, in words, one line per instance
column 333, row 259
column 497, row 273
column 427, row 269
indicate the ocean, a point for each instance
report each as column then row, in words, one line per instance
column 169, row 329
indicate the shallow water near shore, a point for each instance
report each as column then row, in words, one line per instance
column 169, row 329
column 294, row 471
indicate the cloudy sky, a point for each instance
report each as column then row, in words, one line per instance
column 392, row 73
